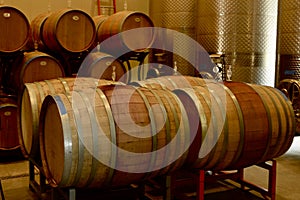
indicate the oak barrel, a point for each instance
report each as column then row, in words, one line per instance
column 242, row 124
column 98, row 20
column 137, row 39
column 160, row 70
column 103, row 66
column 14, row 29
column 34, row 66
column 143, row 124
column 206, row 111
column 69, row 30
column 36, row 40
column 31, row 101
column 171, row 82
column 8, row 122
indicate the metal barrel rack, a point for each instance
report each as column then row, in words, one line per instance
column 40, row 188
column 173, row 186
column 43, row 190
column 130, row 192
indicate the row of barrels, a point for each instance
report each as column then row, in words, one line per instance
column 38, row 66
column 63, row 31
column 70, row 30
column 107, row 134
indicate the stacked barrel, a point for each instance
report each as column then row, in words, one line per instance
column 66, row 34
column 12, row 40
column 56, row 46
column 19, row 65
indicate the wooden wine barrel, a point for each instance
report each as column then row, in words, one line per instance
column 171, row 82
column 31, row 102
column 103, row 66
column 36, row 40
column 207, row 120
column 98, row 20
column 255, row 124
column 16, row 26
column 34, row 66
column 155, row 72
column 281, row 117
column 78, row 126
column 69, row 30
column 122, row 21
column 8, row 117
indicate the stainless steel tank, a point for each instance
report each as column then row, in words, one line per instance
column 288, row 40
column 288, row 62
column 178, row 15
column 245, row 31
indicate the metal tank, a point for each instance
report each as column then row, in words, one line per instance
column 245, row 31
column 178, row 15
column 288, row 40
column 288, row 62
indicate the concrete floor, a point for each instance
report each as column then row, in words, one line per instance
column 14, row 175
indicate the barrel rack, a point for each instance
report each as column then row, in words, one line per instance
column 41, row 187
column 237, row 176
column 45, row 191
column 130, row 192
column 138, row 191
